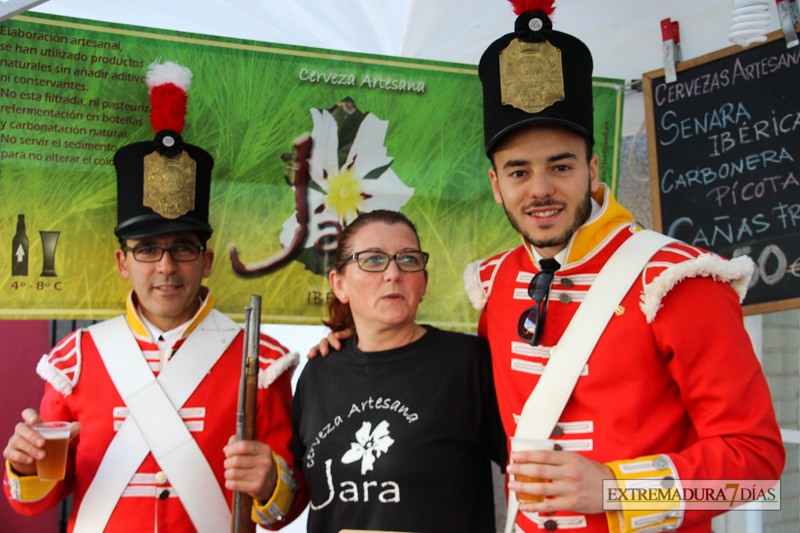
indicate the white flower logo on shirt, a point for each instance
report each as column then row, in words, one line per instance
column 369, row 445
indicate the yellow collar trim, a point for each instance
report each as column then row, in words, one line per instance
column 610, row 217
column 137, row 324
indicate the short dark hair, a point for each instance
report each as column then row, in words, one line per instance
column 588, row 141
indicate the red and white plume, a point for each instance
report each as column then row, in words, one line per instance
column 521, row 6
column 169, row 82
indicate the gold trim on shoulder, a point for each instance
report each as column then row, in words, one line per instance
column 169, row 184
column 531, row 75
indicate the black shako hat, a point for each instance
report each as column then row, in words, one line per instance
column 536, row 75
column 164, row 185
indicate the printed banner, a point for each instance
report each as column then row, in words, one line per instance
column 72, row 92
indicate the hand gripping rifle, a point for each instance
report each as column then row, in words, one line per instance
column 246, row 413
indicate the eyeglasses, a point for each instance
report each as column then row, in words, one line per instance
column 183, row 252
column 373, row 261
column 531, row 322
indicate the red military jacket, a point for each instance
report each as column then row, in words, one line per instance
column 79, row 389
column 672, row 388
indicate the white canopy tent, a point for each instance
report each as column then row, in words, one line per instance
column 624, row 35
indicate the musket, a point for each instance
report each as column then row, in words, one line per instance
column 248, row 396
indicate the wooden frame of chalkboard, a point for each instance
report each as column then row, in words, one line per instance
column 724, row 150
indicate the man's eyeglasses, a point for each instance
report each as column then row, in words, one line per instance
column 531, row 323
column 373, row 261
column 183, row 252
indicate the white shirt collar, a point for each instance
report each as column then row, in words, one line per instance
column 164, row 339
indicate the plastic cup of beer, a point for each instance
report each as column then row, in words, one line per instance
column 56, row 441
column 521, row 444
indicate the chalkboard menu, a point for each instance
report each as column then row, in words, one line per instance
column 724, row 148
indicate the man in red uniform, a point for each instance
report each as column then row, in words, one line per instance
column 153, row 394
column 672, row 391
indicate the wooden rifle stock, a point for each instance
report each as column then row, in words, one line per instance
column 248, row 404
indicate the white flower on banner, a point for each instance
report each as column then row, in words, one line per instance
column 339, row 193
column 369, row 445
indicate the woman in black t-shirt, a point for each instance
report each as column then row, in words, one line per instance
column 396, row 430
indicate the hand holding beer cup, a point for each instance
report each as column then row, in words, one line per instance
column 519, row 444
column 39, row 447
column 566, row 480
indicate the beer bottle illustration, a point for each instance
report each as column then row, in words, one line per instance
column 19, row 250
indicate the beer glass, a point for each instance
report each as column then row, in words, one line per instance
column 522, row 444
column 54, row 465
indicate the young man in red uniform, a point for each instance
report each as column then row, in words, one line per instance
column 153, row 394
column 672, row 391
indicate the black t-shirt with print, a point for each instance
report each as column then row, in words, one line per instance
column 402, row 439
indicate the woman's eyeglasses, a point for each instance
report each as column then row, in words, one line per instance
column 374, row 261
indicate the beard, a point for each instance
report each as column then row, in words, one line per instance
column 582, row 213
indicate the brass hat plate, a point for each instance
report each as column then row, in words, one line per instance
column 531, row 75
column 169, row 184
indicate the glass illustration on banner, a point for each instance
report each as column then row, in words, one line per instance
column 49, row 241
